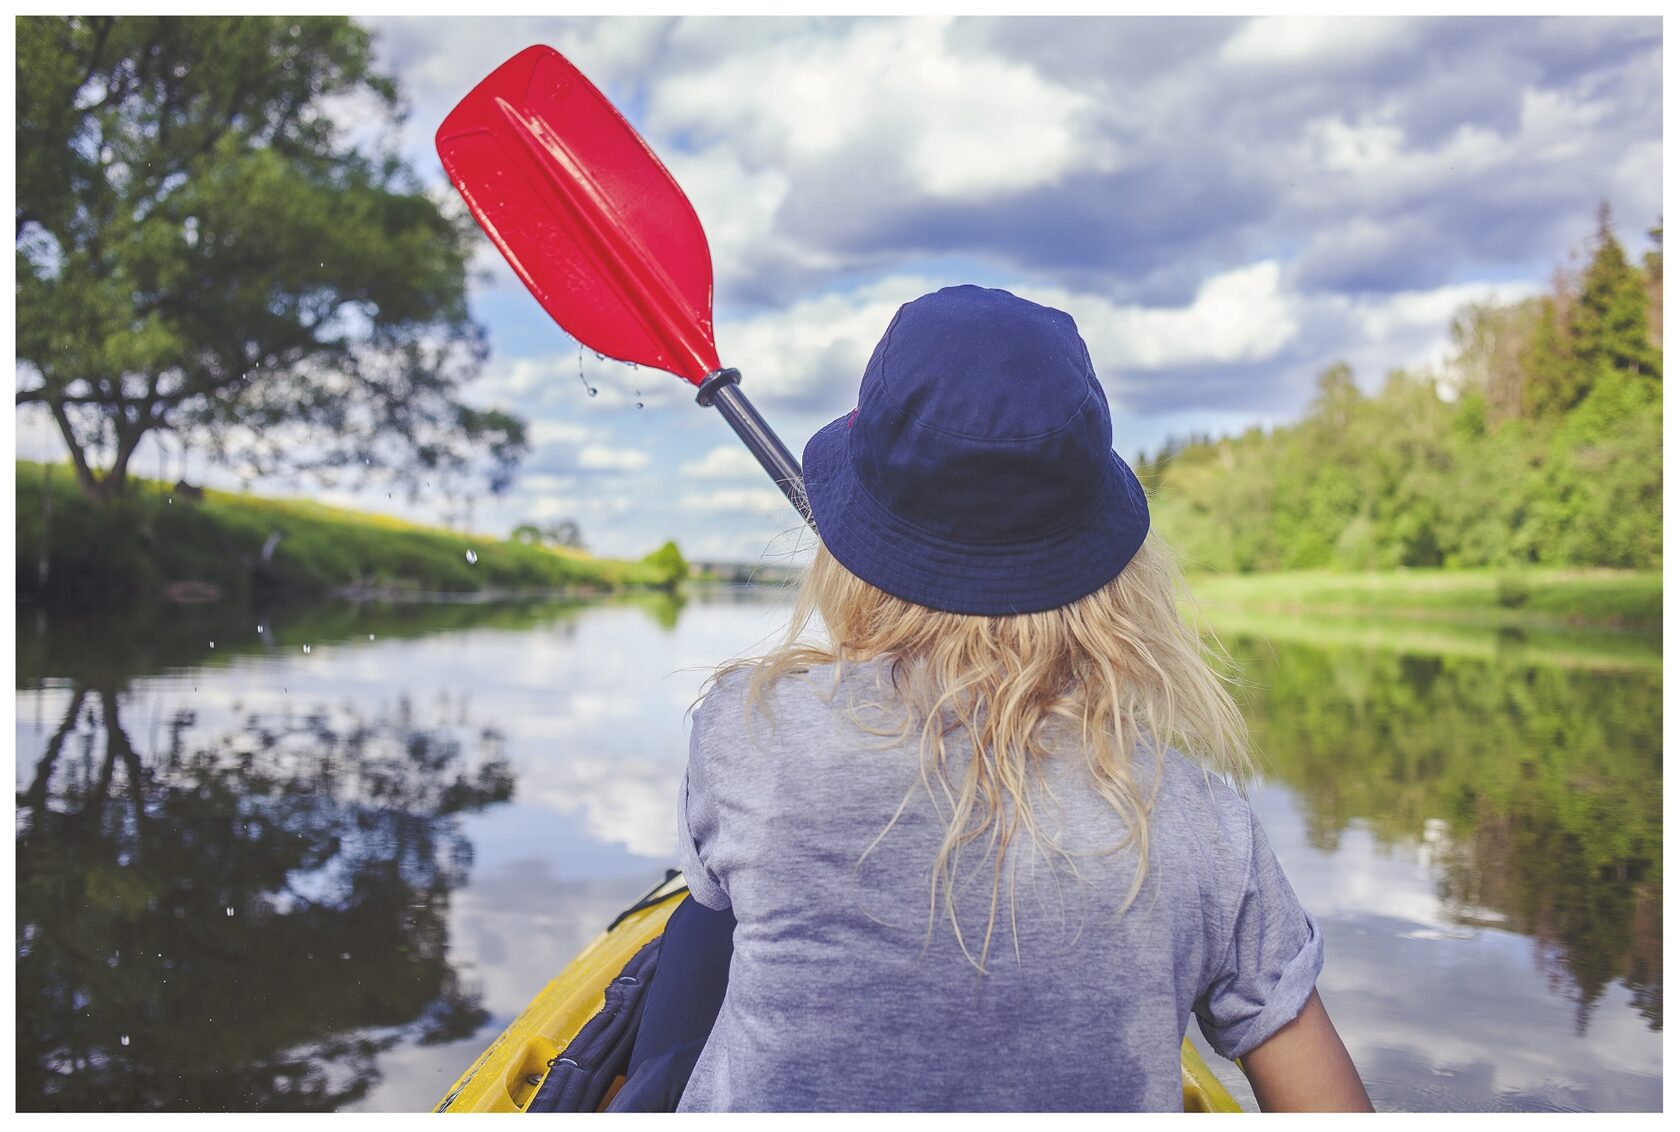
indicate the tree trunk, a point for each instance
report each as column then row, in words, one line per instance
column 128, row 442
column 115, row 480
column 84, row 473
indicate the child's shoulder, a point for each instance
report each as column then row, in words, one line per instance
column 1205, row 803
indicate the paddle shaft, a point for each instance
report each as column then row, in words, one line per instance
column 722, row 391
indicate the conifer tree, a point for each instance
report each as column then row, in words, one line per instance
column 1553, row 380
column 1609, row 330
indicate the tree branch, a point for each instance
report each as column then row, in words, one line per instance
column 72, row 442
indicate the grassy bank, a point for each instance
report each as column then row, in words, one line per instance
column 1630, row 599
column 1592, row 649
column 140, row 545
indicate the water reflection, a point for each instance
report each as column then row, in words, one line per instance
column 1534, row 791
column 420, row 821
column 239, row 918
column 118, row 645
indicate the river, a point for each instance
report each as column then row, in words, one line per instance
column 314, row 859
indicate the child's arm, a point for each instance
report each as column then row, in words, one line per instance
column 1304, row 1067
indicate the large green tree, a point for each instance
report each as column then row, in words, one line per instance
column 204, row 249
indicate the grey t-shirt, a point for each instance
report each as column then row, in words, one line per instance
column 842, row 995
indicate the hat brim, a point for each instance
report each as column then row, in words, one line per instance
column 1072, row 561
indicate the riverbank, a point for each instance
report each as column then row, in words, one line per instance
column 209, row 543
column 1528, row 598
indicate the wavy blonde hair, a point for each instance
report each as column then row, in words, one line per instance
column 1121, row 666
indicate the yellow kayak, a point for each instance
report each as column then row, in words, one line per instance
column 505, row 1077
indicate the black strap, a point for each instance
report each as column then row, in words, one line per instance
column 580, row 1075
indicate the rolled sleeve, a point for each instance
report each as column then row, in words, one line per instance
column 1271, row 963
column 697, row 829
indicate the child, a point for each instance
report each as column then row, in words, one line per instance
column 971, row 843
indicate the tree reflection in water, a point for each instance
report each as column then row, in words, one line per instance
column 244, row 920
column 1536, row 788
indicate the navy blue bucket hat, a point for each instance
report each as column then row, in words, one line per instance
column 977, row 473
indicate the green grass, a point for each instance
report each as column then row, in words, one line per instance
column 1539, row 598
column 1598, row 650
column 136, row 546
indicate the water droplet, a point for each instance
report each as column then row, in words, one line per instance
column 370, row 636
column 125, row 1039
column 638, row 405
column 230, row 911
column 259, row 628
column 593, row 391
column 472, row 557
column 171, row 499
column 344, row 955
column 306, row 648
column 212, row 644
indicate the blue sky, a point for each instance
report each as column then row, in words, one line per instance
column 1226, row 206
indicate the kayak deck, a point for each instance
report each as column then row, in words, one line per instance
column 507, row 1075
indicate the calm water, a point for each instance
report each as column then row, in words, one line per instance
column 320, row 865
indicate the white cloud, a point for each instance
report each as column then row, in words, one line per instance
column 760, row 500
column 1298, row 40
column 600, row 457
column 737, row 208
column 1360, row 148
column 519, row 379
column 543, row 484
column 597, row 511
column 893, row 100
column 1410, row 329
column 561, row 432
column 728, row 462
column 1238, row 315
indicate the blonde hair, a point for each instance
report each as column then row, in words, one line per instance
column 1120, row 665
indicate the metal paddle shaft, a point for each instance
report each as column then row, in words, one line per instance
column 599, row 231
column 722, row 390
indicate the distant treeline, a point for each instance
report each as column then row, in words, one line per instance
column 1540, row 444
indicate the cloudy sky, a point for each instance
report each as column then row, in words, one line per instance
column 1225, row 207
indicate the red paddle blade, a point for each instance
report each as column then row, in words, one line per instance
column 585, row 213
